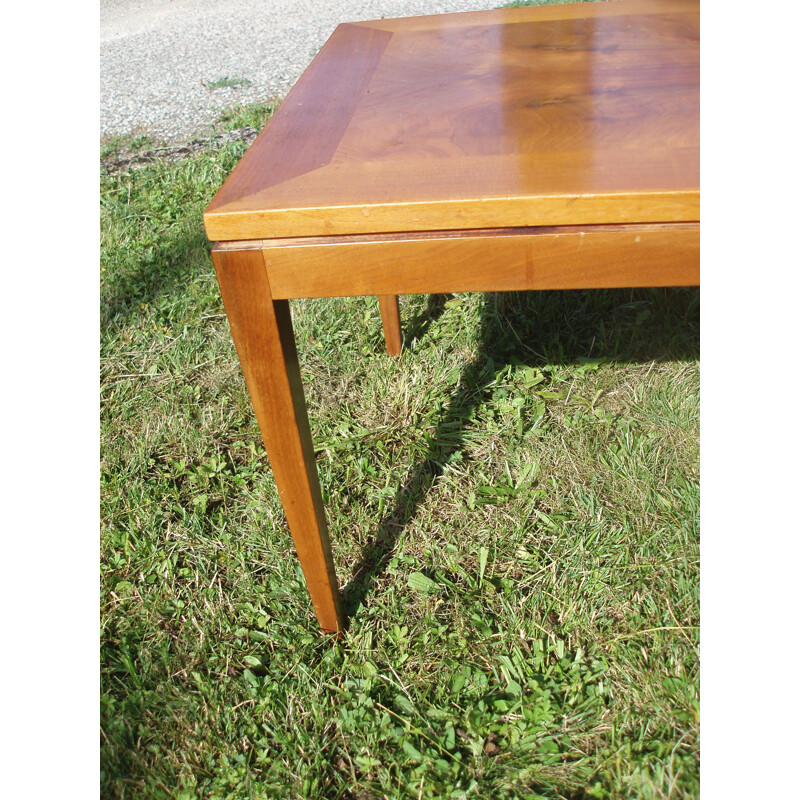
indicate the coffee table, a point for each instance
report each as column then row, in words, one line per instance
column 525, row 148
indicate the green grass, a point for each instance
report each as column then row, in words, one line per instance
column 513, row 506
column 253, row 115
column 227, row 83
column 112, row 146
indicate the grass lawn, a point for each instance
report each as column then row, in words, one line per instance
column 513, row 507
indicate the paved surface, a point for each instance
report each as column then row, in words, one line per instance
column 159, row 59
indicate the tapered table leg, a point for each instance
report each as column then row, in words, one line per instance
column 262, row 333
column 390, row 315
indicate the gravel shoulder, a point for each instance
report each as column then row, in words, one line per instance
column 163, row 63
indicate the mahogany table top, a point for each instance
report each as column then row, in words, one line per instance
column 578, row 114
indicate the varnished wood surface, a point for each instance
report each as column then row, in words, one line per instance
column 528, row 148
column 262, row 333
column 558, row 115
column 571, row 257
column 390, row 316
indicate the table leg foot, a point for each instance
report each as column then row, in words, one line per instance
column 390, row 314
column 264, row 339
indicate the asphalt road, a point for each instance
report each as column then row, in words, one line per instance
column 162, row 61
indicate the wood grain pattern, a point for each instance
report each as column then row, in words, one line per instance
column 318, row 110
column 526, row 148
column 390, row 316
column 521, row 14
column 570, row 257
column 262, row 333
column 559, row 115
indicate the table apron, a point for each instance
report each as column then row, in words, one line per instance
column 566, row 257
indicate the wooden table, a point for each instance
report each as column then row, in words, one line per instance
column 524, row 148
